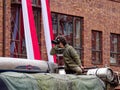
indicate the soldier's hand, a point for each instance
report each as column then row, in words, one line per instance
column 82, row 68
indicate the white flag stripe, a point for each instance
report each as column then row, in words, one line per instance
column 46, row 30
column 28, row 40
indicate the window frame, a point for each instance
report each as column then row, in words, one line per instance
column 37, row 7
column 113, row 52
column 94, row 50
column 80, row 49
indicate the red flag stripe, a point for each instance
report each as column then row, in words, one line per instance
column 33, row 31
column 30, row 31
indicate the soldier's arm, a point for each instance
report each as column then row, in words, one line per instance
column 75, row 56
column 54, row 50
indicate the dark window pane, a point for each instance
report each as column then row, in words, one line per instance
column 77, row 35
column 37, row 18
column 96, row 40
column 113, row 58
column 93, row 40
column 36, row 2
column 70, row 27
column 55, row 24
column 118, row 49
column 77, row 40
column 118, row 58
column 14, row 0
column 17, row 45
column 66, row 27
column 17, row 34
column 96, row 47
column 115, row 49
column 96, row 57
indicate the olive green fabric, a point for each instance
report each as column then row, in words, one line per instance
column 70, row 55
column 47, row 81
column 19, row 81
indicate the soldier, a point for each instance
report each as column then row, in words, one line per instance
column 72, row 61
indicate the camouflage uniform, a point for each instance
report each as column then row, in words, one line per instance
column 71, row 58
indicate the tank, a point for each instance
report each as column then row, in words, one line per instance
column 27, row 74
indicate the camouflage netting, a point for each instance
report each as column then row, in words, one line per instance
column 46, row 81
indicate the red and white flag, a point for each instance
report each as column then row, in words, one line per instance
column 47, row 22
column 31, row 40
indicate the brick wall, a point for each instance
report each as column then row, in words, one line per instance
column 7, row 24
column 8, row 27
column 43, row 47
column 1, row 26
column 102, row 15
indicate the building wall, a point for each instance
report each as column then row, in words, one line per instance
column 43, row 47
column 101, row 15
column 5, row 27
column 1, row 26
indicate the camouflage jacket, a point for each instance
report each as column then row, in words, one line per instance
column 70, row 56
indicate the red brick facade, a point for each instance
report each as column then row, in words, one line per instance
column 5, row 6
column 1, row 25
column 101, row 15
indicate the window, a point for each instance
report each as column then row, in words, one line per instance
column 71, row 27
column 17, row 45
column 96, row 47
column 77, row 35
column 115, row 49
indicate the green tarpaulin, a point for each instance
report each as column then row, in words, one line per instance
column 47, row 81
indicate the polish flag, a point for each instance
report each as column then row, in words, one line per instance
column 30, row 31
column 47, row 22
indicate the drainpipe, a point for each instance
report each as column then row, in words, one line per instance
column 4, row 27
